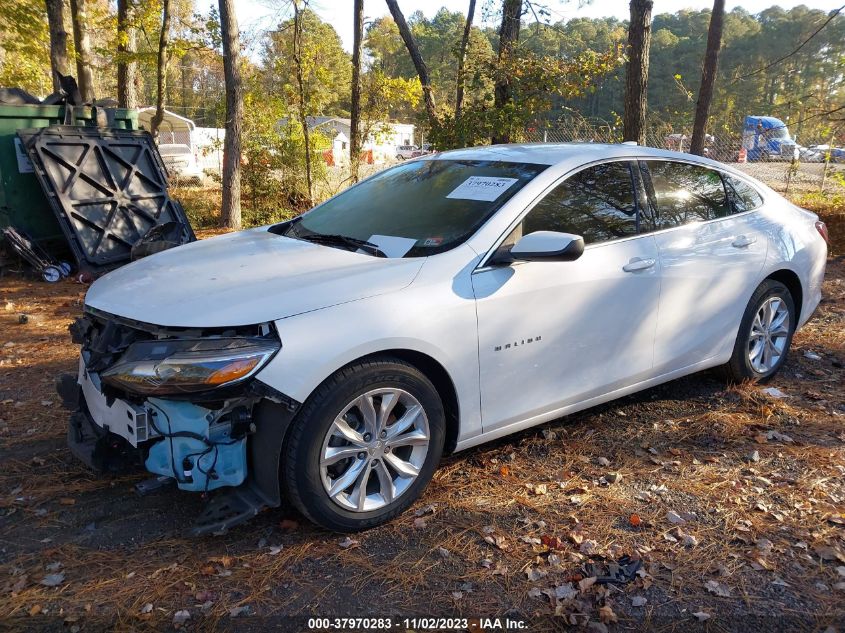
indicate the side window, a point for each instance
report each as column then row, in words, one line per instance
column 686, row 193
column 742, row 196
column 596, row 203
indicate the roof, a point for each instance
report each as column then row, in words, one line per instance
column 146, row 114
column 559, row 153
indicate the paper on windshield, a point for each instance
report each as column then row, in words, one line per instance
column 486, row 188
column 391, row 245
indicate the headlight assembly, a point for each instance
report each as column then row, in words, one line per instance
column 188, row 365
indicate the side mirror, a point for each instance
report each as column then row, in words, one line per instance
column 545, row 246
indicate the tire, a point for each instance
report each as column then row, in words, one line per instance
column 314, row 433
column 744, row 365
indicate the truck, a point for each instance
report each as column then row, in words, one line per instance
column 767, row 138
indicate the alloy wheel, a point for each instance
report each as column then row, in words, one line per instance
column 769, row 335
column 374, row 449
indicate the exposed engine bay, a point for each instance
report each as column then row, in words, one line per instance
column 184, row 405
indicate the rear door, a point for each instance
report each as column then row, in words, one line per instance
column 553, row 334
column 710, row 258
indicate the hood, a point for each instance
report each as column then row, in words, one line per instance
column 244, row 278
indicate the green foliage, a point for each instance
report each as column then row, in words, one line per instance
column 25, row 46
column 272, row 173
column 326, row 67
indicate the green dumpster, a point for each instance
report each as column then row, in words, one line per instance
column 22, row 201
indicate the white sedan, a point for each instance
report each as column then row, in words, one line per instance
column 439, row 304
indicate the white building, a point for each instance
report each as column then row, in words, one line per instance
column 381, row 138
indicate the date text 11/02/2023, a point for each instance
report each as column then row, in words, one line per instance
column 418, row 624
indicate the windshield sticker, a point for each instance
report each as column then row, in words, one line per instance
column 486, row 188
column 432, row 241
column 393, row 246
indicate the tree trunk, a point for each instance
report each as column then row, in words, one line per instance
column 508, row 38
column 462, row 53
column 355, row 114
column 161, row 68
column 303, row 116
column 231, row 209
column 419, row 64
column 82, row 43
column 636, row 71
column 59, row 63
column 708, row 77
column 127, row 67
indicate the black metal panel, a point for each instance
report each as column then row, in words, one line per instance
column 107, row 187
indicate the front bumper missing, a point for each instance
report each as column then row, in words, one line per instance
column 186, row 442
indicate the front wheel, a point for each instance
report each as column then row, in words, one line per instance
column 765, row 334
column 365, row 445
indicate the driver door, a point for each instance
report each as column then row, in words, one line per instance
column 553, row 334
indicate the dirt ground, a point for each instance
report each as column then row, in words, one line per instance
column 732, row 498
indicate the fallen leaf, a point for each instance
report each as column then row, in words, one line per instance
column 35, row 609
column 635, row 520
column 348, row 542
column 588, row 547
column 443, row 552
column 429, row 509
column 534, row 592
column 534, row 574
column 638, row 601
column 498, row 541
column 774, row 392
column 53, row 580
column 419, row 522
column 147, row 608
column 701, row 616
column 180, row 617
column 826, row 552
column 675, row 518
column 504, row 471
column 239, row 611
column 718, row 588
column 275, row 550
column 606, row 615
column 586, row 583
column 67, row 501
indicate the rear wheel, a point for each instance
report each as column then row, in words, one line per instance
column 765, row 334
column 365, row 445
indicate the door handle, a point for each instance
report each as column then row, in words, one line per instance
column 742, row 241
column 638, row 264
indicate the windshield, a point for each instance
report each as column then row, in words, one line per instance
column 778, row 132
column 418, row 208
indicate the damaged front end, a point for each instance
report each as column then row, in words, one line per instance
column 185, row 405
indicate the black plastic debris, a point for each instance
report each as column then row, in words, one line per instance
column 108, row 189
column 159, row 238
column 618, row 572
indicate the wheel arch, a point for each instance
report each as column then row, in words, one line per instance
column 793, row 283
column 432, row 369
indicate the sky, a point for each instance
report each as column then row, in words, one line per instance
column 256, row 16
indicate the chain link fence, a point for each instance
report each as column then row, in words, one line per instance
column 813, row 171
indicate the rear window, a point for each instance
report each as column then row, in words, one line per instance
column 685, row 193
column 419, row 208
column 743, row 196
